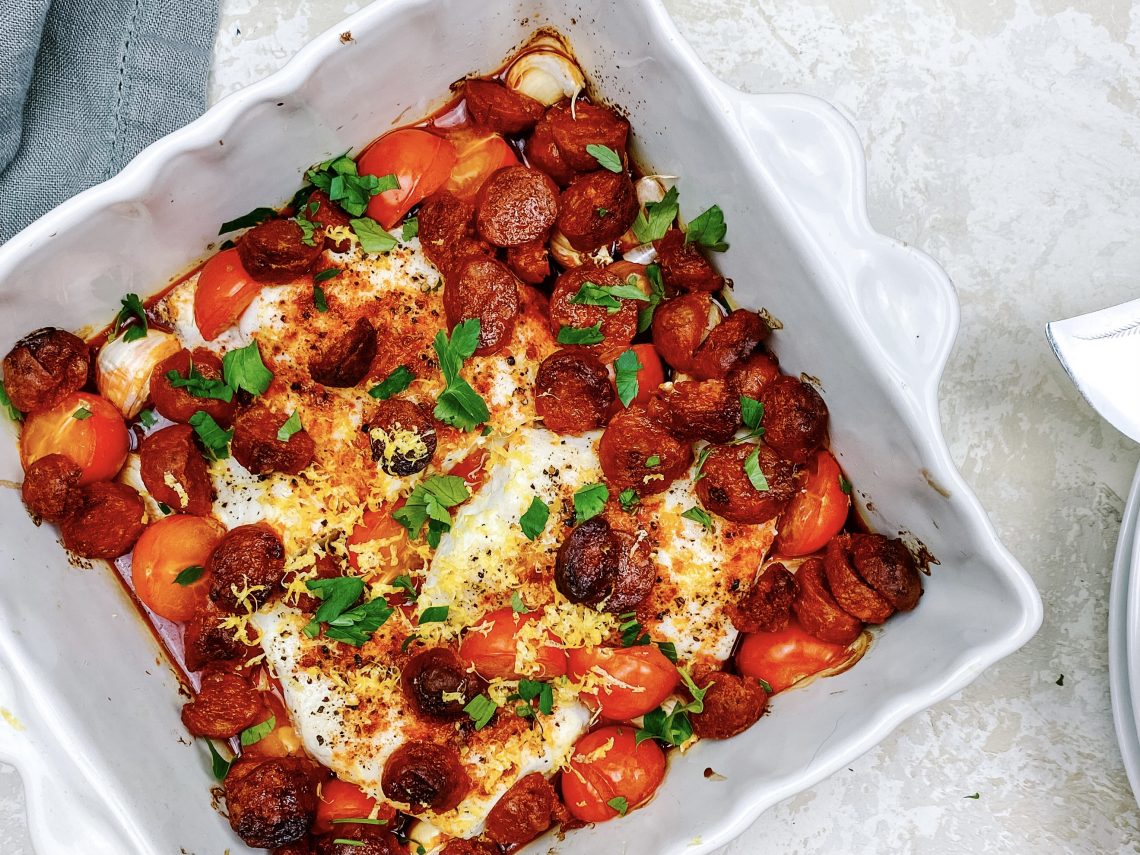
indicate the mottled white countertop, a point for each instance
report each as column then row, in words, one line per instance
column 1002, row 138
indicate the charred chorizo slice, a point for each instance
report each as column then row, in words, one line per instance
column 726, row 489
column 275, row 251
column 579, row 125
column 597, row 565
column 44, row 367
column 696, row 409
column 175, row 472
column 887, row 566
column 679, row 327
column 767, row 605
column 256, row 447
column 683, row 265
column 750, row 375
column 50, row 488
column 494, row 106
column 327, row 214
column 474, row 846
column 573, row 392
column 732, row 704
column 446, row 232
column 728, row 342
column 524, row 811
column 516, row 204
column 110, row 518
column 176, row 403
column 402, row 437
column 853, row 595
column 485, row 289
column 346, row 356
column 617, row 329
column 250, row 559
column 795, row 418
column 271, row 802
column 596, row 209
column 358, row 839
column 636, row 452
column 225, row 705
column 204, row 640
column 530, row 261
column 817, row 610
column 425, row 776
column 437, row 683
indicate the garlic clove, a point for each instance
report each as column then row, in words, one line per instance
column 545, row 72
column 568, row 257
column 123, row 368
column 652, row 188
column 644, row 253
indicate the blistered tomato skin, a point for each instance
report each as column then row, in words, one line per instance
column 608, row 764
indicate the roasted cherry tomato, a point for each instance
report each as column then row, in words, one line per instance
column 225, row 289
column 84, row 427
column 390, row 554
column 471, row 469
column 478, row 155
column 283, row 740
column 642, row 677
column 340, row 800
column 783, row 658
column 167, row 548
column 491, row 644
column 421, row 162
column 817, row 512
column 608, row 764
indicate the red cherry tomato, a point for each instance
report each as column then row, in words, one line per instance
column 167, row 548
column 490, row 647
column 342, row 800
column 389, row 558
column 651, row 375
column 471, row 469
column 224, row 290
column 642, row 677
column 602, row 771
column 421, row 162
column 817, row 512
column 783, row 658
column 478, row 155
column 84, row 427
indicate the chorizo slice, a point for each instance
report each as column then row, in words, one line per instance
column 402, row 437
column 617, row 329
column 176, row 403
column 572, row 391
column 530, row 261
column 638, row 453
column 225, row 705
column 524, row 811
column 446, row 232
column 767, row 605
column 728, row 342
column 887, row 566
column 175, row 472
column 484, row 289
column 732, row 704
column 683, row 265
column 321, row 210
column 751, row 374
column 474, row 846
column 597, row 565
column 358, row 839
column 795, row 418
column 726, row 489
column 256, row 447
column 596, row 209
column 204, row 640
column 817, row 610
column 275, row 251
column 494, row 106
column 250, row 559
column 516, row 204
column 44, row 367
column 696, row 409
column 853, row 595
column 425, row 776
column 346, row 356
column 271, row 802
column 50, row 488
column 579, row 125
column 110, row 518
column 438, row 684
column 679, row 327
column 542, row 152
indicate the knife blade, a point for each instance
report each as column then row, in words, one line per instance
column 1100, row 351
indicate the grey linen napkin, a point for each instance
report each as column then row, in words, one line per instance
column 86, row 84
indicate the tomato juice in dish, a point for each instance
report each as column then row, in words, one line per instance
column 456, row 486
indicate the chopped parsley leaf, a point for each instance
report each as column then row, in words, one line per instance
column 255, row 733
column 320, row 302
column 481, row 709
column 190, row 575
column 533, row 521
column 339, row 178
column 656, row 295
column 459, row 405
column 257, row 215
column 752, row 470
column 429, row 502
column 620, row 804
column 606, row 157
column 14, row 414
column 327, row 274
column 628, row 499
column 147, row 418
column 708, row 230
column 219, row 765
column 581, row 335
column 410, row 229
column 699, row 515
column 434, row 614
column 81, row 414
column 652, row 223
column 394, row 383
column 133, row 317
column 625, row 373
column 216, row 440
column 844, row 484
column 292, row 426
column 589, row 501
column 372, row 236
column 517, row 604
column 243, row 369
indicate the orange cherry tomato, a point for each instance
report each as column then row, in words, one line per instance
column 387, row 559
column 340, row 800
column 490, row 647
column 817, row 512
column 642, row 677
column 166, row 548
column 97, row 442
column 478, row 155
column 783, row 658
column 601, row 771
column 283, row 740
column 421, row 162
column 650, row 376
column 224, row 290
column 471, row 469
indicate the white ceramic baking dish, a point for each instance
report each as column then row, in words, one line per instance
column 91, row 710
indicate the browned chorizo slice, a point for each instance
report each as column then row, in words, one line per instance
column 494, row 106
column 446, row 225
column 696, row 409
column 275, row 251
column 853, row 595
column 204, row 640
column 516, row 204
column 795, row 418
column 542, row 152
column 617, row 329
column 325, row 213
column 346, row 356
column 679, row 327
column 596, row 209
column 817, row 610
column 475, row 846
column 50, row 488
column 728, row 342
column 572, row 391
column 596, row 564
column 176, row 403
column 725, row 487
column 887, row 566
column 110, row 518
column 437, row 683
column 250, row 559
column 523, row 812
column 579, row 125
column 683, row 265
column 484, row 289
column 256, row 446
column 750, row 375
column 358, row 839
column 226, row 704
column 636, row 452
column 425, row 776
column 767, row 605
column 530, row 261
column 44, row 367
column 175, row 472
column 402, row 437
column 271, row 802
column 732, row 705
